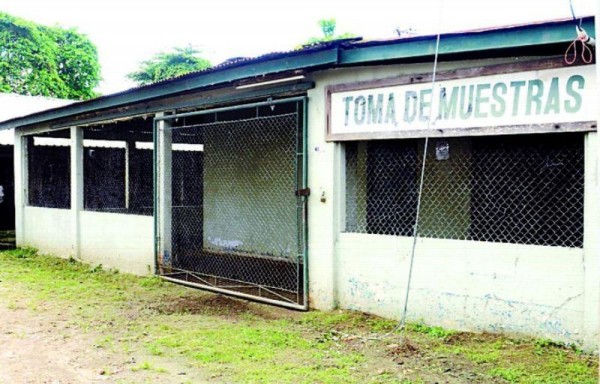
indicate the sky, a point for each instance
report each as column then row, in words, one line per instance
column 127, row 32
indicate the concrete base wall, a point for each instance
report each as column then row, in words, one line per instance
column 466, row 285
column 122, row 242
column 48, row 230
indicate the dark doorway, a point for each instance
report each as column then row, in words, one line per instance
column 7, row 197
column 7, row 188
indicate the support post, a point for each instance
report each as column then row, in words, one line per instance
column 21, row 185
column 164, row 177
column 591, row 247
column 76, row 188
column 592, row 254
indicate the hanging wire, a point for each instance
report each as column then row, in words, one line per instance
column 401, row 325
column 573, row 14
column 420, row 194
column 583, row 38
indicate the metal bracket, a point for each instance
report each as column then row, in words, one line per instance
column 303, row 192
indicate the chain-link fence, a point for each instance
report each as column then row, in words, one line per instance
column 524, row 189
column 49, row 169
column 118, row 167
column 236, row 222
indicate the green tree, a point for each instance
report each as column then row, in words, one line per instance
column 46, row 61
column 77, row 60
column 328, row 29
column 166, row 65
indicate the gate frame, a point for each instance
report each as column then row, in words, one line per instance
column 303, row 100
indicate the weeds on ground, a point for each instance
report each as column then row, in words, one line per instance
column 236, row 341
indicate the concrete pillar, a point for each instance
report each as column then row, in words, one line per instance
column 591, row 262
column 592, row 252
column 164, row 195
column 76, row 188
column 21, row 185
column 324, row 180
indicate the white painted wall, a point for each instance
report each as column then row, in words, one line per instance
column 47, row 229
column 123, row 242
column 466, row 285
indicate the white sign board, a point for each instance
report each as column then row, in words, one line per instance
column 552, row 96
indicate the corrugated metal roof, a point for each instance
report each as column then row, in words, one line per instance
column 330, row 54
column 13, row 106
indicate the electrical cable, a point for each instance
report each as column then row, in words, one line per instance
column 420, row 194
column 586, row 41
column 401, row 325
column 573, row 14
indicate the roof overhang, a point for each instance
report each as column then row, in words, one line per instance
column 466, row 45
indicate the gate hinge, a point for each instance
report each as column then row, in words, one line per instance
column 303, row 192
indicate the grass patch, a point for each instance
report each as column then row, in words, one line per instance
column 436, row 332
column 237, row 341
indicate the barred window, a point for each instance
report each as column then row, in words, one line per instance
column 49, row 170
column 525, row 189
column 117, row 167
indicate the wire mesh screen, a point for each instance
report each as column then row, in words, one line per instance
column 513, row 189
column 236, row 222
column 118, row 167
column 49, row 170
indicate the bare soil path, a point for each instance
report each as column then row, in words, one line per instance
column 38, row 347
column 63, row 322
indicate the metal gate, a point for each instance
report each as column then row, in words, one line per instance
column 231, row 211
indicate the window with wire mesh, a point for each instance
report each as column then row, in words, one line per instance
column 49, row 170
column 118, row 167
column 525, row 189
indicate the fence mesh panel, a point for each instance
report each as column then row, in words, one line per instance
column 118, row 167
column 236, row 222
column 510, row 189
column 49, row 170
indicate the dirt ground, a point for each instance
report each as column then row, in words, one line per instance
column 39, row 348
column 63, row 322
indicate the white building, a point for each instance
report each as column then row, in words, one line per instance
column 294, row 178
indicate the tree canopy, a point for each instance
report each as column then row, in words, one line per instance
column 166, row 65
column 328, row 29
column 38, row 60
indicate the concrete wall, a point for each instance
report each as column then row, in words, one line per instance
column 467, row 285
column 123, row 242
column 47, row 229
